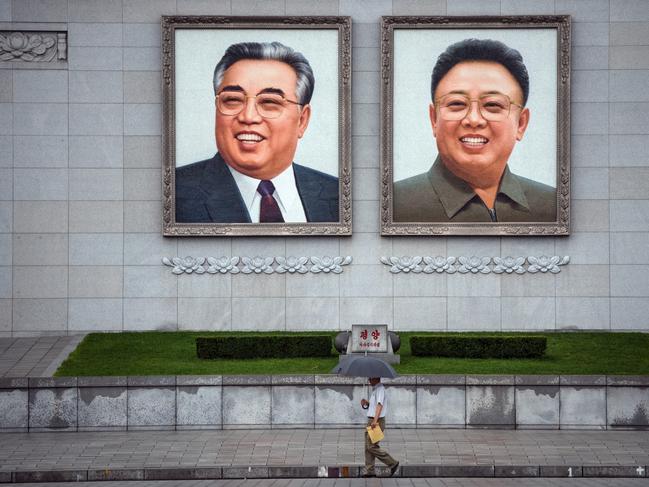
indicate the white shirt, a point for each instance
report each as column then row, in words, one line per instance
column 377, row 397
column 286, row 195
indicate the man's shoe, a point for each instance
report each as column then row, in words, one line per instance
column 394, row 469
column 368, row 474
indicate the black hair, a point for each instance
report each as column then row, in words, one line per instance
column 481, row 50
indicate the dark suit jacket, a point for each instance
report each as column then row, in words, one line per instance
column 207, row 193
column 440, row 196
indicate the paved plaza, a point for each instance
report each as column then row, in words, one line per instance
column 202, row 448
column 35, row 356
column 457, row 482
column 301, row 453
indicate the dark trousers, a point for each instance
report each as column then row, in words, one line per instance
column 373, row 450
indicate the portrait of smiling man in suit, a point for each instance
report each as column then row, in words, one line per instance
column 262, row 94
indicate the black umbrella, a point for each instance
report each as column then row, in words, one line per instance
column 364, row 366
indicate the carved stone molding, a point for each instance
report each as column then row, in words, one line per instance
column 547, row 264
column 29, row 46
column 475, row 265
column 329, row 264
column 509, row 265
column 256, row 265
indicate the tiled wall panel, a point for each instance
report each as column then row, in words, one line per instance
column 80, row 189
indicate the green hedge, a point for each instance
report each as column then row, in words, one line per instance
column 251, row 346
column 479, row 346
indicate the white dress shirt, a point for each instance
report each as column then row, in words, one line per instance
column 286, row 195
column 377, row 397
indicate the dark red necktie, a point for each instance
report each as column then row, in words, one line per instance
column 269, row 212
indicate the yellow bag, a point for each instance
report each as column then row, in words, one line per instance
column 375, row 434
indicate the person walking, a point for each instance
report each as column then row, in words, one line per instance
column 376, row 410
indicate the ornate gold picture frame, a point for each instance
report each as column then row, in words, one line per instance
column 475, row 134
column 213, row 152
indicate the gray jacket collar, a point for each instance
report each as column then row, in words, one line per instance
column 454, row 193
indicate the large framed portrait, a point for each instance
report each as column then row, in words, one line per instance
column 256, row 126
column 475, row 134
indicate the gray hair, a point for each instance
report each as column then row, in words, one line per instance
column 274, row 51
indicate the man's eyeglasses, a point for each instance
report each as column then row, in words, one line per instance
column 494, row 107
column 268, row 105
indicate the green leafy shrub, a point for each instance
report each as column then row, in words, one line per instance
column 257, row 346
column 501, row 346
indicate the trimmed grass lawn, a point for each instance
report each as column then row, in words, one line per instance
column 174, row 353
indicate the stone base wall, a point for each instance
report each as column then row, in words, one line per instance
column 321, row 401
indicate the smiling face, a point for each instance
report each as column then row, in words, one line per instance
column 251, row 144
column 473, row 148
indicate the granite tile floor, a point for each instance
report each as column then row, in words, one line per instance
column 448, row 482
column 202, row 449
column 35, row 356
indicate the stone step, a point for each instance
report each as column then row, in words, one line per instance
column 323, row 471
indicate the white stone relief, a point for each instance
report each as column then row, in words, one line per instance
column 329, row 264
column 33, row 46
column 439, row 265
column 223, row 265
column 292, row 264
column 474, row 264
column 256, row 265
column 185, row 265
column 509, row 265
column 414, row 264
column 547, row 264
column 403, row 264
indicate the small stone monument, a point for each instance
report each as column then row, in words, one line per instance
column 374, row 340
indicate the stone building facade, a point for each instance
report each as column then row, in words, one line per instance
column 81, row 247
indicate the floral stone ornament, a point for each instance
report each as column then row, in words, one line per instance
column 256, row 265
column 33, row 46
column 475, row 265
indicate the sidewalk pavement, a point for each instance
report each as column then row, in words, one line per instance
column 35, row 356
column 445, row 482
column 292, row 453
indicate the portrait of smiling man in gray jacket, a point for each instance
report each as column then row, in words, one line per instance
column 479, row 89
